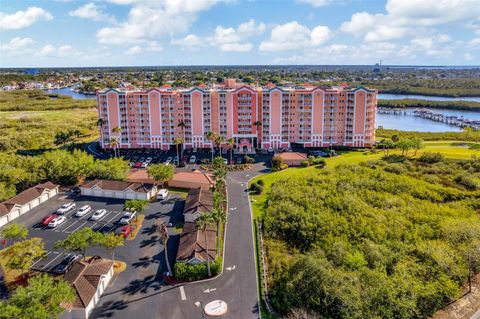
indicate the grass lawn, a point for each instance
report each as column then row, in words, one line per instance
column 444, row 147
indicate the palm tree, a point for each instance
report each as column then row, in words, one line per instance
column 220, row 141
column 257, row 124
column 203, row 221
column 231, row 143
column 212, row 137
column 116, row 130
column 163, row 230
column 178, row 141
column 114, row 145
column 181, row 124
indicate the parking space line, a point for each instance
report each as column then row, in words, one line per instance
column 72, row 224
column 182, row 293
column 108, row 222
column 71, row 232
column 48, row 253
column 51, row 261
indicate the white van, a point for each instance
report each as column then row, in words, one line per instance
column 162, row 194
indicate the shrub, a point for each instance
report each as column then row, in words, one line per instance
column 319, row 162
column 261, row 182
column 431, row 158
column 192, row 272
column 256, row 188
column 278, row 164
column 248, row 159
column 305, row 163
column 467, row 182
column 395, row 168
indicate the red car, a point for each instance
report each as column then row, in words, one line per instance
column 124, row 230
column 138, row 165
column 47, row 219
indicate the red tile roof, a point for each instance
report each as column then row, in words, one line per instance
column 119, row 185
column 84, row 276
column 25, row 197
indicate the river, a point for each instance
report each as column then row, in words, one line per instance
column 390, row 121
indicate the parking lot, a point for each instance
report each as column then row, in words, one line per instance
column 146, row 243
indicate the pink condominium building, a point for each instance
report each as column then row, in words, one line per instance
column 263, row 117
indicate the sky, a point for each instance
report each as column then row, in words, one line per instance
column 71, row 33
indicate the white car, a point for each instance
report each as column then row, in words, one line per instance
column 83, row 211
column 270, row 150
column 127, row 218
column 149, row 159
column 57, row 221
column 65, row 208
column 225, row 161
column 169, row 160
column 193, row 159
column 162, row 194
column 99, row 213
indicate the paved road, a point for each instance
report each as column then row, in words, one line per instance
column 147, row 297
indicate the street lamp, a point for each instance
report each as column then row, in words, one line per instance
column 200, row 304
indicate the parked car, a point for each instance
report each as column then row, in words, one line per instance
column 57, row 221
column 124, row 230
column 138, row 164
column 144, row 164
column 66, row 264
column 194, row 150
column 288, row 149
column 193, row 159
column 99, row 213
column 175, row 160
column 47, row 219
column 182, row 164
column 75, row 191
column 127, row 218
column 162, row 194
column 225, row 161
column 83, row 211
column 270, row 150
column 169, row 160
column 65, row 208
column 149, row 159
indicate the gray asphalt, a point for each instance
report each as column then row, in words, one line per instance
column 145, row 296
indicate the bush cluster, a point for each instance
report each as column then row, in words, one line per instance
column 192, row 272
column 257, row 187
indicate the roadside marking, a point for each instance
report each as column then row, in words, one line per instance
column 233, row 208
column 209, row 290
column 182, row 293
column 71, row 232
column 72, row 224
column 230, row 268
column 48, row 253
column 51, row 261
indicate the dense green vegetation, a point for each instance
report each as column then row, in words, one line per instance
column 392, row 238
column 31, row 120
column 467, row 135
column 451, row 105
column 37, row 100
column 439, row 87
column 19, row 172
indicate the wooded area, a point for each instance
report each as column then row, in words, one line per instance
column 392, row 238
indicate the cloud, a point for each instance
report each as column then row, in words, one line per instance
column 408, row 17
column 315, row 3
column 233, row 40
column 49, row 50
column 149, row 20
column 294, row 36
column 17, row 46
column 134, row 50
column 22, row 19
column 226, row 39
column 91, row 11
column 468, row 57
column 189, row 42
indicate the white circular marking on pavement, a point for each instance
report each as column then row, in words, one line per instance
column 216, row 308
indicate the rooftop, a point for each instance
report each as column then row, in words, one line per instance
column 25, row 197
column 193, row 245
column 119, row 185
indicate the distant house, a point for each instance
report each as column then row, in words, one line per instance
column 293, row 158
column 198, row 201
column 193, row 247
column 89, row 279
column 118, row 189
column 193, row 179
column 25, row 201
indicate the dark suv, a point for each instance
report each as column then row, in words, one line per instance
column 66, row 264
